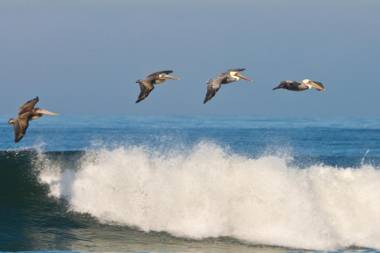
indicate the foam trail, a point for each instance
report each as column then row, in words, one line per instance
column 207, row 192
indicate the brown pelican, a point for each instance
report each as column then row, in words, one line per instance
column 305, row 84
column 231, row 75
column 27, row 112
column 147, row 84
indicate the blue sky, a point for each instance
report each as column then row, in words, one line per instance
column 83, row 57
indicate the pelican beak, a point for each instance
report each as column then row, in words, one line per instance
column 318, row 86
column 51, row 113
column 171, row 77
column 321, row 88
column 243, row 77
column 46, row 112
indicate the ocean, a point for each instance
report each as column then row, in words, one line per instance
column 191, row 184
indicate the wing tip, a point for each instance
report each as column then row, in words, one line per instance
column 18, row 138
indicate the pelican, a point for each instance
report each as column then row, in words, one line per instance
column 147, row 84
column 305, row 84
column 231, row 75
column 26, row 113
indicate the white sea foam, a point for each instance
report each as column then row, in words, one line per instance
column 208, row 192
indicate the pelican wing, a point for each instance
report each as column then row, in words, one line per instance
column 293, row 85
column 145, row 88
column 288, row 85
column 28, row 106
column 236, row 70
column 20, row 126
column 213, row 87
column 317, row 85
column 156, row 74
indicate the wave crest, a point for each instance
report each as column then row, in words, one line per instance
column 209, row 192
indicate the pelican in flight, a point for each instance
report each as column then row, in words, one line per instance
column 231, row 75
column 26, row 113
column 147, row 84
column 305, row 84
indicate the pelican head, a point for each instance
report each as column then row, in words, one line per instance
column 313, row 84
column 164, row 76
column 239, row 76
column 307, row 82
column 11, row 122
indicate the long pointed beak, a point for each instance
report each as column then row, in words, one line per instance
column 46, row 112
column 318, row 86
column 276, row 88
column 244, row 77
column 172, row 77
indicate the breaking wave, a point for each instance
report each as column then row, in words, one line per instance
column 209, row 192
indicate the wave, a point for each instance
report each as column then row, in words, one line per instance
column 209, row 192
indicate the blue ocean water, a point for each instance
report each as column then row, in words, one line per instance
column 191, row 184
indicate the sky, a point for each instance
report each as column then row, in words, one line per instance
column 83, row 57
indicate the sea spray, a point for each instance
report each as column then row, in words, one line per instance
column 208, row 192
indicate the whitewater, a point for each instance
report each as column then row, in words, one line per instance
column 208, row 191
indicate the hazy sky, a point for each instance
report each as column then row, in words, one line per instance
column 83, row 57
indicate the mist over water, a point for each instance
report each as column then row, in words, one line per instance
column 206, row 191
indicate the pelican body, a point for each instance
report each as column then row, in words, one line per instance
column 26, row 113
column 305, row 84
column 147, row 84
column 230, row 76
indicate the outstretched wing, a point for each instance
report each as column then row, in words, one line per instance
column 156, row 74
column 20, row 126
column 212, row 87
column 236, row 70
column 28, row 106
column 145, row 88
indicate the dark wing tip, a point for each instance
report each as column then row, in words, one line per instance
column 34, row 100
column 238, row 69
column 18, row 138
